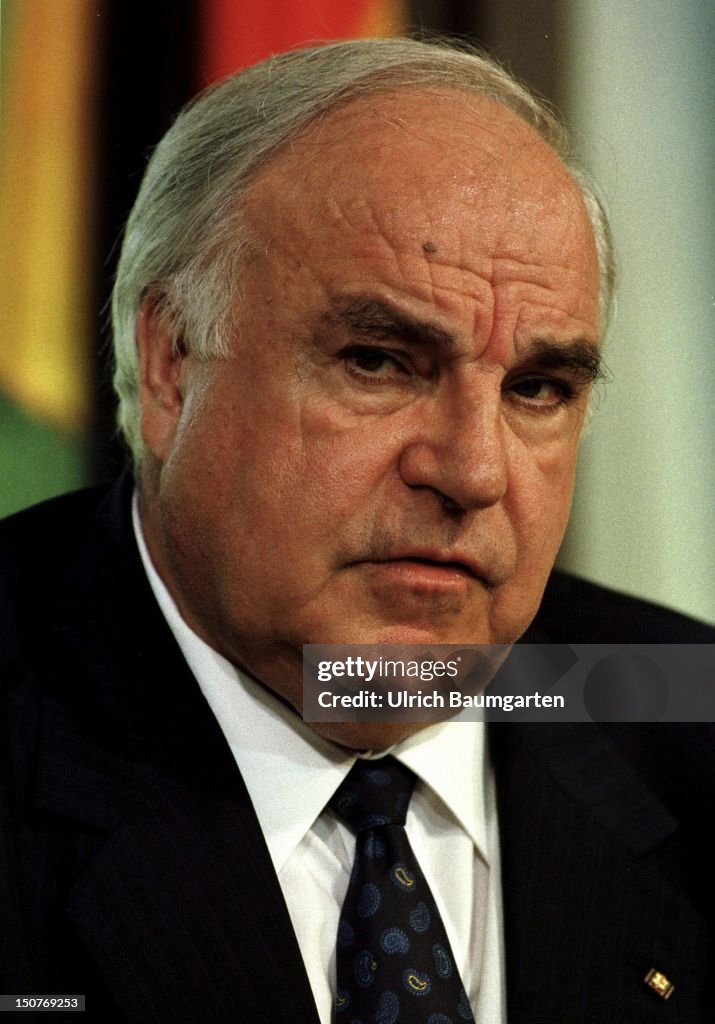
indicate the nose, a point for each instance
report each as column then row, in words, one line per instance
column 458, row 450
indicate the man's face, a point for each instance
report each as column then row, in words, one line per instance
column 388, row 454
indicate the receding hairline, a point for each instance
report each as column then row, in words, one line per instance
column 324, row 131
column 473, row 102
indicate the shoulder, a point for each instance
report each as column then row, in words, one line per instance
column 40, row 534
column 574, row 610
column 59, row 555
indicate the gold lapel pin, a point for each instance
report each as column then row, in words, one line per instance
column 659, row 983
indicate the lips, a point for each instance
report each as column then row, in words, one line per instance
column 453, row 563
column 444, row 565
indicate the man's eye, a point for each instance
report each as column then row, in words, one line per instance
column 374, row 362
column 543, row 391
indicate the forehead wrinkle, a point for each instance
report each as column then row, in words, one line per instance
column 356, row 213
column 474, row 283
column 499, row 279
column 512, row 272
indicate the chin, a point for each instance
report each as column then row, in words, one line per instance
column 428, row 631
column 362, row 736
column 398, row 635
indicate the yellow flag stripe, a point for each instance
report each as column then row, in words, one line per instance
column 384, row 18
column 45, row 184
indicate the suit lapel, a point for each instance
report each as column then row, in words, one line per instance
column 183, row 915
column 177, row 903
column 589, row 856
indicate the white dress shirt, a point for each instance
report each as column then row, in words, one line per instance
column 291, row 773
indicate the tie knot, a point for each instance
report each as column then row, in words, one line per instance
column 374, row 793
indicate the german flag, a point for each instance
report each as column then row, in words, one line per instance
column 45, row 251
column 236, row 34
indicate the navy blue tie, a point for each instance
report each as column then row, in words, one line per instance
column 394, row 963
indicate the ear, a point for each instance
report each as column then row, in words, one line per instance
column 160, row 395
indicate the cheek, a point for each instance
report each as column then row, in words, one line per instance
column 541, row 486
column 344, row 466
column 288, row 492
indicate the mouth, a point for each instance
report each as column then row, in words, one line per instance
column 429, row 569
column 445, row 565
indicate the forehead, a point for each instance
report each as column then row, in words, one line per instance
column 442, row 172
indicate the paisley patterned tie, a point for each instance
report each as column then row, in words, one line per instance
column 394, row 963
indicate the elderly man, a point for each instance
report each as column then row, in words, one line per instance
column 357, row 322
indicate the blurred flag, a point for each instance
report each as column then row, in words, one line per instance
column 236, row 33
column 45, row 246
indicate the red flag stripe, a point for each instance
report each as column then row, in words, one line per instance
column 237, row 33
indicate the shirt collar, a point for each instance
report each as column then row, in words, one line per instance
column 289, row 771
column 452, row 759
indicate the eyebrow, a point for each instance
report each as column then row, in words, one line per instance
column 580, row 355
column 380, row 319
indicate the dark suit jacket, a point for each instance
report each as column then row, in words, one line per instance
column 133, row 868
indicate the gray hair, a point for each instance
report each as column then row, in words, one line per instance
column 183, row 242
